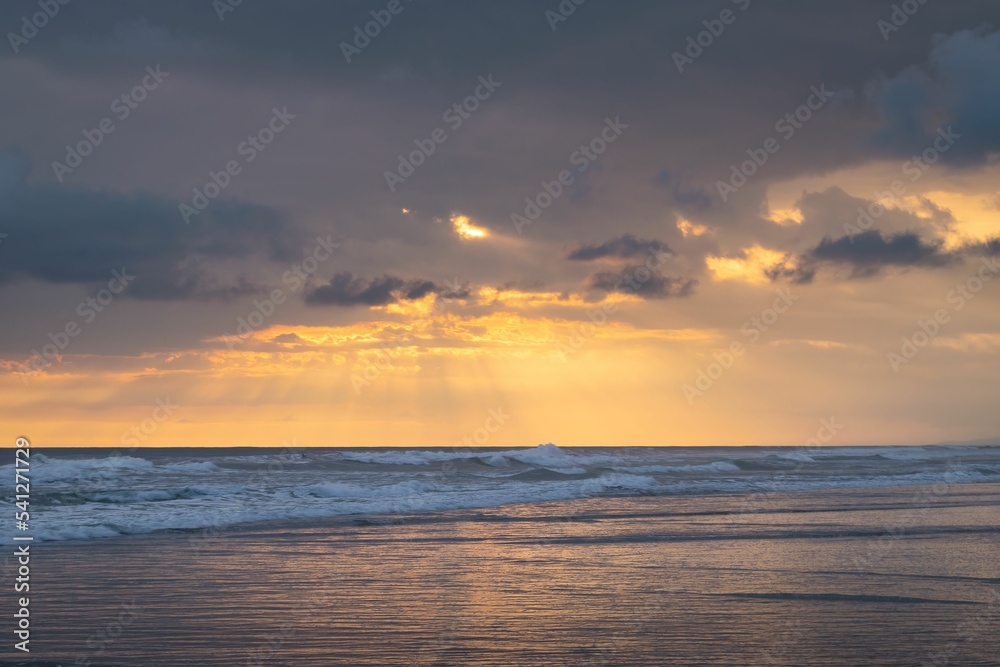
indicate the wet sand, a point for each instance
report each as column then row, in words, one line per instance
column 878, row 576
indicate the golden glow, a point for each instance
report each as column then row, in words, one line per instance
column 416, row 308
column 971, row 197
column 521, row 299
column 818, row 344
column 750, row 268
column 982, row 342
column 976, row 216
column 463, row 227
column 785, row 216
column 689, row 228
column 430, row 377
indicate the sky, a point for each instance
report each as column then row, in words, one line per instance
column 488, row 223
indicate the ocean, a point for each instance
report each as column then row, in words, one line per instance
column 535, row 557
column 80, row 494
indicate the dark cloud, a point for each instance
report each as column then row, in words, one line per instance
column 606, row 59
column 959, row 87
column 344, row 289
column 304, row 38
column 625, row 246
column 287, row 338
column 642, row 282
column 62, row 235
column 833, row 213
column 989, row 248
column 419, row 289
column 869, row 252
column 797, row 275
column 459, row 292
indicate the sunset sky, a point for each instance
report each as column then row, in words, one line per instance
column 497, row 222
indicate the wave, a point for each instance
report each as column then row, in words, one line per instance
column 315, row 501
column 343, row 490
column 925, row 453
column 91, row 497
column 545, row 456
column 717, row 466
column 413, row 457
column 49, row 469
column 146, row 496
column 131, row 513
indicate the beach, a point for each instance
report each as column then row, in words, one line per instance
column 901, row 575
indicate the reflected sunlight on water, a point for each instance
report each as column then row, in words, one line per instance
column 819, row 578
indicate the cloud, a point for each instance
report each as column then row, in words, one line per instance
column 655, row 286
column 63, row 235
column 625, row 246
column 797, row 275
column 344, row 289
column 990, row 247
column 869, row 252
column 959, row 86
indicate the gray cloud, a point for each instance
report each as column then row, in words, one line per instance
column 869, row 252
column 75, row 236
column 355, row 119
column 797, row 275
column 630, row 281
column 625, row 246
column 344, row 289
column 958, row 86
column 990, row 247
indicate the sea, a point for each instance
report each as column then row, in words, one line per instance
column 531, row 557
column 85, row 494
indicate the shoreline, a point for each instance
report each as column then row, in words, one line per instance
column 921, row 492
column 608, row 580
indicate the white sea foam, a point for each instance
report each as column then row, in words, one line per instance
column 86, row 498
column 801, row 457
column 344, row 490
column 410, row 457
column 716, row 466
column 49, row 469
column 545, row 456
